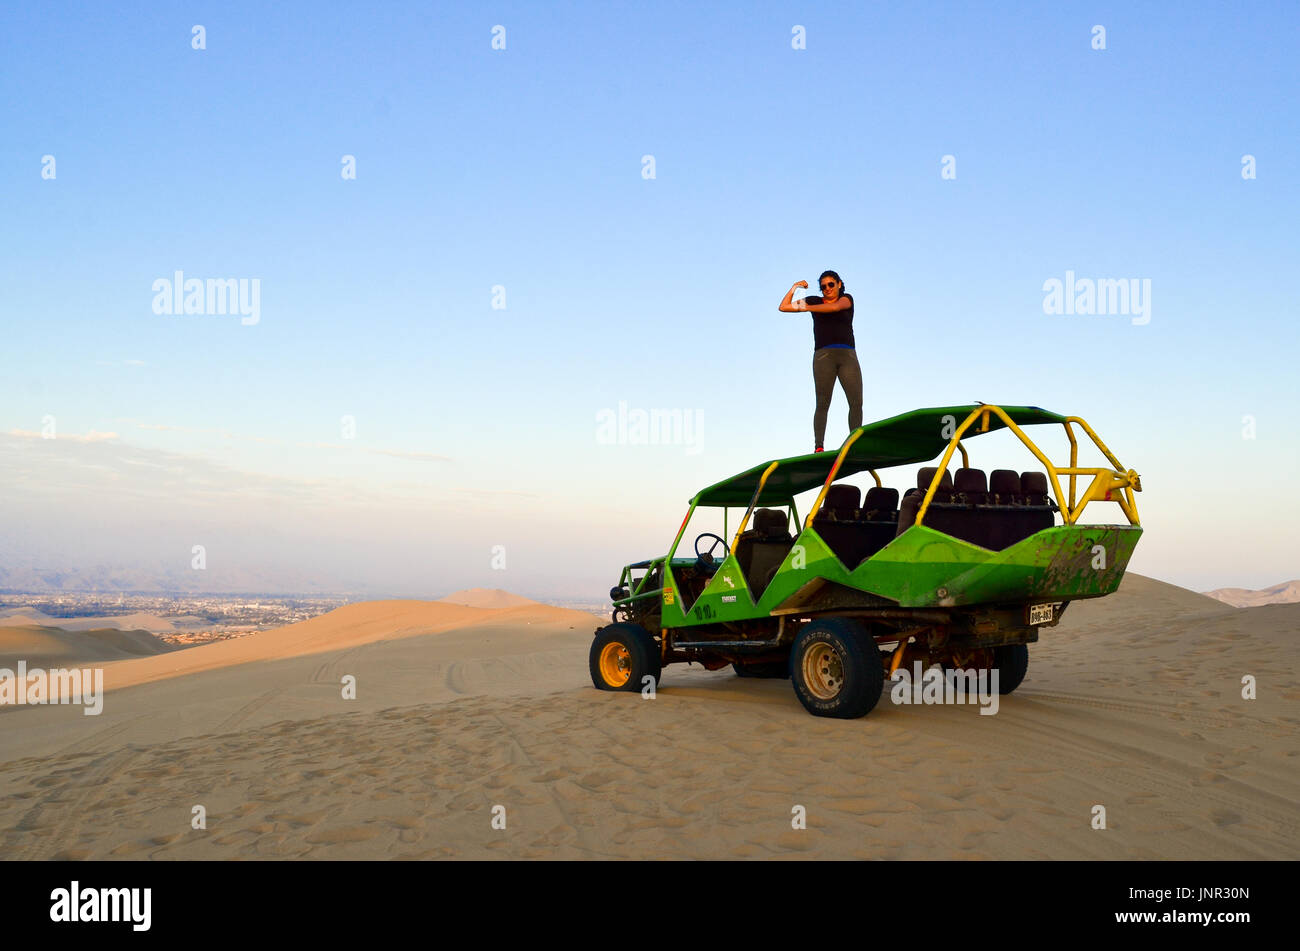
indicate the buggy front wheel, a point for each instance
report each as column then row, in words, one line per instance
column 622, row 656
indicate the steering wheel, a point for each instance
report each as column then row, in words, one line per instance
column 703, row 559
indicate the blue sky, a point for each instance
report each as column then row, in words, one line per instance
column 522, row 167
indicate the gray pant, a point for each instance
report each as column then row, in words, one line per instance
column 830, row 363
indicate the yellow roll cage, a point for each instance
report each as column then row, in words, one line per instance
column 1114, row 485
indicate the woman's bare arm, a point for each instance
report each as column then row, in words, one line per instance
column 840, row 303
column 787, row 306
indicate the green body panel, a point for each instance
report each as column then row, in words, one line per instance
column 809, row 560
column 726, row 598
column 924, row 568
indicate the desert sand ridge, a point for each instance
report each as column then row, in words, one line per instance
column 347, row 627
column 46, row 646
column 487, row 598
column 1133, row 702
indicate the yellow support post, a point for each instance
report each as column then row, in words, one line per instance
column 762, row 481
column 839, row 460
column 1074, row 457
column 897, row 657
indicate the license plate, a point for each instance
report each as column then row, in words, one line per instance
column 1041, row 613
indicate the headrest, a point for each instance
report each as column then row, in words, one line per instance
column 842, row 497
column 771, row 521
column 971, row 481
column 880, row 499
column 926, row 476
column 1033, row 483
column 1004, row 483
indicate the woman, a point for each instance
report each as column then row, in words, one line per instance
column 833, row 353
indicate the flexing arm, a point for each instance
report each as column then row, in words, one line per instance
column 788, row 306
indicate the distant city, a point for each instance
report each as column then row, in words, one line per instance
column 188, row 619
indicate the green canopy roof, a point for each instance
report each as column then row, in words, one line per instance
column 898, row 441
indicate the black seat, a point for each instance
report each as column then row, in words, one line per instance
column 1004, row 487
column 852, row 533
column 761, row 549
column 880, row 504
column 961, row 511
column 841, row 502
column 954, row 512
column 970, row 487
column 1016, row 507
column 926, row 476
column 1037, row 508
column 1019, row 507
column 1033, row 488
column 912, row 500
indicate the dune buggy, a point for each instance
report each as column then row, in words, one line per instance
column 961, row 571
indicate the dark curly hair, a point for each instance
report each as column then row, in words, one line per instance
column 838, row 280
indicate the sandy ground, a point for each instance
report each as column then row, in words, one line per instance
column 1133, row 703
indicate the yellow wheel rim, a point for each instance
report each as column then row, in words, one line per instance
column 615, row 664
column 823, row 673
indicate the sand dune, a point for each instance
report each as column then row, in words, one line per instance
column 400, row 652
column 487, row 598
column 42, row 646
column 1134, row 703
column 1288, row 592
column 1140, row 597
column 23, row 615
column 344, row 628
column 19, row 617
column 137, row 621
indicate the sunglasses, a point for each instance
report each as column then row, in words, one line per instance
column 827, row 286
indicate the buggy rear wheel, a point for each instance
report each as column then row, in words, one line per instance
column 1011, row 662
column 835, row 669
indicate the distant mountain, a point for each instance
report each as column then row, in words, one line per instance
column 1288, row 592
column 486, row 598
column 30, row 578
column 136, row 621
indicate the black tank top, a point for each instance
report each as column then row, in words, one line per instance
column 832, row 330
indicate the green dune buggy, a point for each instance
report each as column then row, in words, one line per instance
column 962, row 571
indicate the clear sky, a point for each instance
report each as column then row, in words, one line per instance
column 522, row 168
